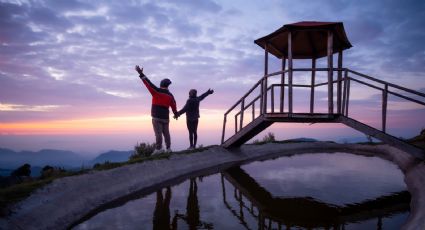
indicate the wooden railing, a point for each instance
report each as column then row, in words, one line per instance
column 343, row 86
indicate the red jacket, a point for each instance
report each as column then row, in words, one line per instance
column 162, row 99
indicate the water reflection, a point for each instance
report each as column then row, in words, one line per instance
column 274, row 212
column 161, row 214
column 246, row 198
column 192, row 217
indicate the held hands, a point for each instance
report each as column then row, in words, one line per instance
column 210, row 91
column 176, row 116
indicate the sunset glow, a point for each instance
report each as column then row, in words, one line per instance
column 67, row 67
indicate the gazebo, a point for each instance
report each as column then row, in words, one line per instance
column 307, row 40
column 311, row 40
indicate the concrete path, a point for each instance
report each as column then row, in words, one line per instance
column 66, row 200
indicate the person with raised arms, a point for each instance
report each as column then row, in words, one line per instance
column 162, row 99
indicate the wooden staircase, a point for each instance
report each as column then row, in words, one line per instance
column 250, row 120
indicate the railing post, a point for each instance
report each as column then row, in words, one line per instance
column 313, row 76
column 290, row 72
column 330, row 72
column 224, row 128
column 253, row 110
column 282, row 86
column 344, row 94
column 339, row 84
column 272, row 98
column 261, row 96
column 348, row 97
column 384, row 107
column 236, row 123
column 242, row 111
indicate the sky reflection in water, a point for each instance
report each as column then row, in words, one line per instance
column 332, row 179
column 339, row 178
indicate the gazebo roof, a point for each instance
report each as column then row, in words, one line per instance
column 309, row 39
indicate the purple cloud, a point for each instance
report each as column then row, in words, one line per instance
column 80, row 55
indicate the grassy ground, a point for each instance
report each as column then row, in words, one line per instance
column 18, row 192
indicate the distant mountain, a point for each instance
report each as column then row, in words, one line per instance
column 353, row 139
column 302, row 139
column 10, row 159
column 112, row 156
column 5, row 172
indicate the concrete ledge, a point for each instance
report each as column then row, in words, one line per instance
column 66, row 200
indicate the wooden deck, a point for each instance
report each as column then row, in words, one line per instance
column 262, row 122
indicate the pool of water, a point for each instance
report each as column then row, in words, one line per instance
column 308, row 191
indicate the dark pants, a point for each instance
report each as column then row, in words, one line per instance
column 192, row 126
column 161, row 214
column 161, row 127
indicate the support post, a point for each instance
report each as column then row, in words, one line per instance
column 330, row 72
column 282, row 86
column 290, row 72
column 313, row 76
column 384, row 107
column 266, row 71
column 339, row 84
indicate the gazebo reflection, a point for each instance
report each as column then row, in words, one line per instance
column 254, row 202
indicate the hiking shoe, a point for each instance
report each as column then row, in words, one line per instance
column 190, row 148
column 157, row 151
column 168, row 150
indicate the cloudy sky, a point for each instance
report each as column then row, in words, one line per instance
column 67, row 76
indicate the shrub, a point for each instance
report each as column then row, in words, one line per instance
column 142, row 150
column 24, row 170
column 107, row 165
column 49, row 171
column 269, row 137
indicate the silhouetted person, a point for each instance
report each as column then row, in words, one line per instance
column 162, row 99
column 191, row 108
column 192, row 216
column 161, row 214
column 192, row 207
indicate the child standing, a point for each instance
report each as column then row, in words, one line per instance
column 192, row 114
